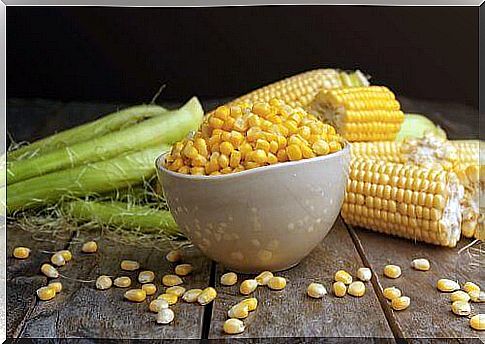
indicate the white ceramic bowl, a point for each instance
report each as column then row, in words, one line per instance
column 267, row 218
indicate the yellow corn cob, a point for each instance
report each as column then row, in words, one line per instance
column 360, row 113
column 300, row 89
column 468, row 151
column 380, row 150
column 404, row 200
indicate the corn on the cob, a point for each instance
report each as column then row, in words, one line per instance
column 404, row 200
column 360, row 113
column 300, row 89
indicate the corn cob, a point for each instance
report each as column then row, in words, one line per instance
column 360, row 113
column 300, row 89
column 404, row 200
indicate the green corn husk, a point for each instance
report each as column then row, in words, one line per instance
column 112, row 122
column 167, row 128
column 123, row 215
column 90, row 179
column 415, row 125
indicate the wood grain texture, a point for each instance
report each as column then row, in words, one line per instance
column 81, row 310
column 291, row 313
column 429, row 315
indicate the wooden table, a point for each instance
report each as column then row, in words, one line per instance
column 285, row 316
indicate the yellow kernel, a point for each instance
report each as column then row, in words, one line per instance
column 251, row 302
column 174, row 256
column 198, row 161
column 277, row 283
column 57, row 286
column 238, row 311
column 391, row 293
column 421, row 264
column 262, row 109
column 122, row 282
column 66, row 254
column 459, row 295
column 129, row 265
column 58, row 259
column 171, row 280
column 294, row 152
column 157, row 305
column 307, row 152
column 248, row 286
column 135, row 295
column 400, row 303
column 21, row 252
column 477, row 322
column 281, row 155
column 263, row 145
column 461, row 308
column 470, row 286
column 356, row 289
column 176, row 290
column 215, row 123
column 477, row 296
column 264, row 277
column 49, row 271
column 235, row 159
column 191, row 295
column 223, row 161
column 89, row 247
column 316, row 290
column 447, row 285
column 46, row 293
column 321, row 147
column 183, row 269
column 170, row 298
column 103, row 282
column 226, row 148
column 339, row 289
column 149, row 288
column 233, row 326
column 259, row 156
column 228, row 279
column 165, row 316
column 146, row 276
column 392, row 271
column 334, row 146
column 207, row 296
column 364, row 274
column 343, row 276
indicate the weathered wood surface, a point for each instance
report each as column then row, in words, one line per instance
column 291, row 313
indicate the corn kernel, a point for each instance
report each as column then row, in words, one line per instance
column 264, row 277
column 477, row 296
column 321, row 147
column 226, row 148
column 207, row 296
column 356, row 289
column 58, row 259
column 400, row 303
column 129, row 265
column 103, row 282
column 183, row 269
column 228, row 279
column 149, row 288
column 470, row 286
column 165, row 316
column 49, row 271
column 339, row 289
column 392, row 271
column 343, row 276
column 420, row 264
column 171, row 280
column 238, row 311
column 157, row 305
column 122, row 282
column 66, row 254
column 316, row 290
column 21, row 252
column 447, row 285
column 248, row 286
column 277, row 283
column 170, row 298
column 46, row 293
column 294, row 152
column 233, row 326
column 461, row 308
column 191, row 295
column 57, row 286
column 251, row 302
column 391, row 293
column 477, row 322
column 174, row 256
column 89, row 247
column 146, row 276
column 459, row 295
column 364, row 274
column 176, row 290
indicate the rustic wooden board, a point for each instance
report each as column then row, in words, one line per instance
column 291, row 313
column 429, row 315
column 81, row 310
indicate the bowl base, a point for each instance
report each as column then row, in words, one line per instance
column 252, row 272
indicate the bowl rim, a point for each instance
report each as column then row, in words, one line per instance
column 159, row 166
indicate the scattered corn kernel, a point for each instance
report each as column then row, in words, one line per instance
column 356, row 289
column 149, row 288
column 343, row 276
column 277, row 283
column 165, row 316
column 447, row 285
column 264, row 277
column 66, row 254
column 191, row 295
column 420, row 264
column 183, row 269
column 228, row 279
column 174, row 256
column 56, row 285
column 103, row 282
column 136, row 295
column 400, row 303
column 46, row 293
column 459, row 295
column 129, row 265
column 316, row 290
column 89, row 247
column 251, row 302
column 157, row 305
column 58, row 259
column 477, row 322
column 146, row 276
column 248, row 286
column 470, row 286
column 364, row 274
column 477, row 296
column 461, row 308
column 233, row 326
column 176, row 290
column 122, row 282
column 391, row 293
column 207, row 296
column 21, row 252
column 49, row 271
column 238, row 311
column 392, row 271
column 170, row 298
column 171, row 280
column 339, row 289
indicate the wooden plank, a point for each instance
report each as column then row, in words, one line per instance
column 429, row 315
column 81, row 310
column 291, row 313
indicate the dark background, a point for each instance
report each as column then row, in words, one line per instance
column 124, row 54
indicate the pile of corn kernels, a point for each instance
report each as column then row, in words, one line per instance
column 246, row 136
